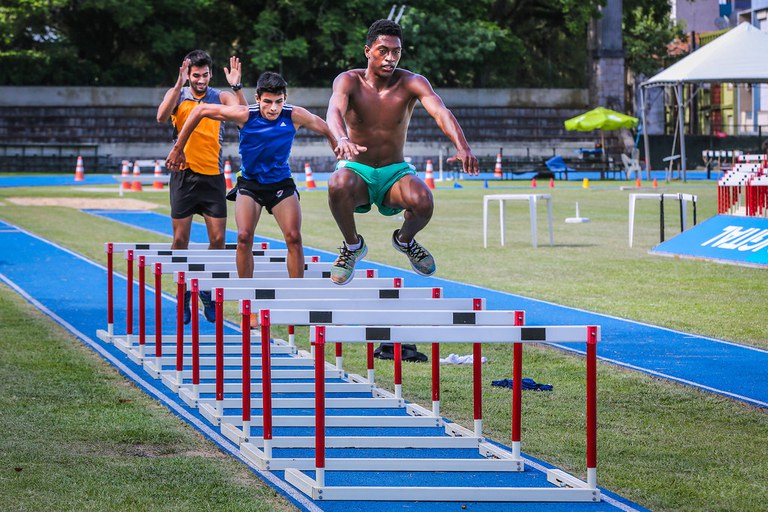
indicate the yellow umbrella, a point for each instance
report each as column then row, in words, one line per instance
column 600, row 119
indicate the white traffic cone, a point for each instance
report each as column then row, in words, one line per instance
column 157, row 184
column 136, row 185
column 79, row 169
column 429, row 179
column 308, row 174
column 228, row 174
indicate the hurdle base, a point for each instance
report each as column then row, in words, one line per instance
column 257, row 456
column 169, row 378
column 233, row 433
column 104, row 336
column 186, row 394
column 151, row 367
column 208, row 411
column 311, row 488
column 392, row 442
column 123, row 343
column 138, row 354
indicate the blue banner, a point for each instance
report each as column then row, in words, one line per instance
column 724, row 238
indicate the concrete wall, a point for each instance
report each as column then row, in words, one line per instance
column 544, row 106
column 306, row 97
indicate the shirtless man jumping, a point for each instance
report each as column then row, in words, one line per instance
column 368, row 113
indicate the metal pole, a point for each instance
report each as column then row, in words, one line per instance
column 645, row 133
column 681, row 127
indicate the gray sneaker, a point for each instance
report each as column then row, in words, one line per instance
column 421, row 260
column 343, row 268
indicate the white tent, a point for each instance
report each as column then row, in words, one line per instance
column 738, row 56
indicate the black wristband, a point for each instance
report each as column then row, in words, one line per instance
column 236, row 87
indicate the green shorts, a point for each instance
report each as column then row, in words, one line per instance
column 379, row 181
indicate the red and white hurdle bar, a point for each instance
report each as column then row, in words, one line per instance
column 330, row 316
column 568, row 488
column 215, row 412
column 742, row 191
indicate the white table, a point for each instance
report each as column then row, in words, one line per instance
column 533, row 200
column 660, row 198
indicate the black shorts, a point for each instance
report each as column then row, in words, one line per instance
column 267, row 195
column 192, row 193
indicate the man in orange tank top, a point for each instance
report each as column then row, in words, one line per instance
column 199, row 188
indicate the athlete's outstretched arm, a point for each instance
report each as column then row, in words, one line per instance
column 445, row 119
column 233, row 113
column 337, row 106
column 171, row 97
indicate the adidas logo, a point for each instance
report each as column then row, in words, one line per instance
column 282, row 123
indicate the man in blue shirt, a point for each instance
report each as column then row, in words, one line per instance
column 267, row 131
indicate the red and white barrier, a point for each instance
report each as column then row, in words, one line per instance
column 367, row 311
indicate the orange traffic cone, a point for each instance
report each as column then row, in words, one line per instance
column 308, row 174
column 655, row 183
column 79, row 169
column 533, row 183
column 429, row 179
column 157, row 184
column 497, row 173
column 126, row 173
column 136, row 185
column 551, row 182
column 637, row 183
column 228, row 174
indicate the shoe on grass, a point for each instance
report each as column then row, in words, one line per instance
column 343, row 268
column 209, row 308
column 421, row 260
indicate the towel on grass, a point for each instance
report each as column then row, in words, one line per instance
column 457, row 359
column 526, row 384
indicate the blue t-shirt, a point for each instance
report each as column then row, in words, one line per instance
column 266, row 145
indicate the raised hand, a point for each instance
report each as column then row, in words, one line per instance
column 234, row 73
column 183, row 73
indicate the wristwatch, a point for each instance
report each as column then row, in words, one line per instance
column 236, row 87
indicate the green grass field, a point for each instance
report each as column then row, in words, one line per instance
column 99, row 443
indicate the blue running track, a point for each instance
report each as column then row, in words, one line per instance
column 56, row 180
column 71, row 290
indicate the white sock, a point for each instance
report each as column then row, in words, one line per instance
column 354, row 247
column 402, row 244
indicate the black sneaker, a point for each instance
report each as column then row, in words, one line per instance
column 209, row 307
column 421, row 260
column 187, row 307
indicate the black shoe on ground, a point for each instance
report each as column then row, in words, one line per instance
column 187, row 308
column 209, row 308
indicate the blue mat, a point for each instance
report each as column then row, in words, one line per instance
column 698, row 361
column 47, row 275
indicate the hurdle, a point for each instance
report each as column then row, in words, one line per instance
column 138, row 354
column 110, row 248
column 681, row 198
column 260, row 451
column 269, row 266
column 565, row 487
column 230, row 364
column 742, row 191
column 290, row 294
column 214, row 411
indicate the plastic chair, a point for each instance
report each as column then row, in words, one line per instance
column 631, row 167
